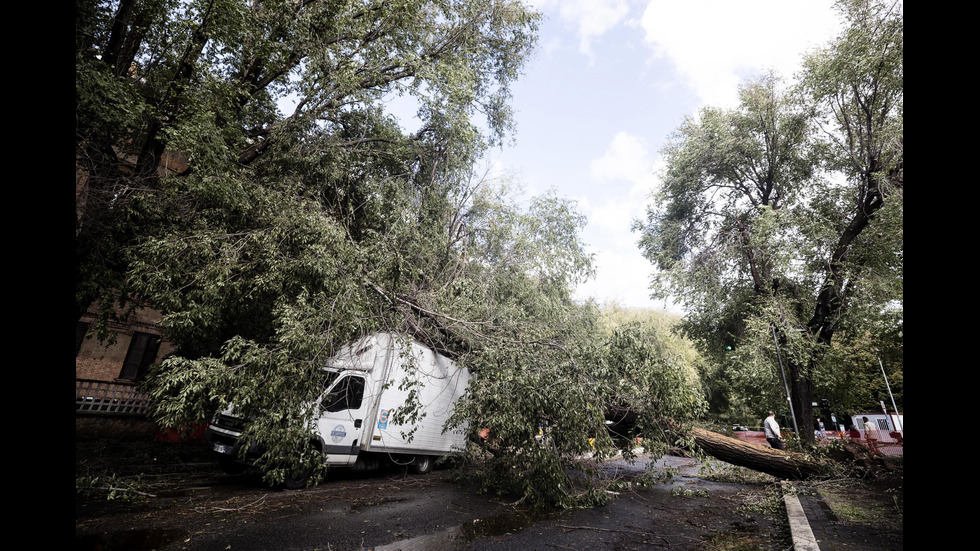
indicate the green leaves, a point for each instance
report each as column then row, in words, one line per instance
column 203, row 80
column 785, row 213
column 268, row 238
column 546, row 403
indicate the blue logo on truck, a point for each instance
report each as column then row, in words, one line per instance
column 383, row 419
column 338, row 433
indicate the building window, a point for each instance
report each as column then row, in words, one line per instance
column 142, row 353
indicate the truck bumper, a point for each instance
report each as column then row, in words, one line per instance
column 229, row 446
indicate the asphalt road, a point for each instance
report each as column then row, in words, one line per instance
column 208, row 511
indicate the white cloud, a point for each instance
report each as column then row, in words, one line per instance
column 703, row 50
column 715, row 44
column 625, row 175
column 623, row 278
column 590, row 18
column 626, row 161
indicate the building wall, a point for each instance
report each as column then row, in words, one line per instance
column 103, row 361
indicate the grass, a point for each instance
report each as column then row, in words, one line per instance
column 868, row 493
column 877, row 502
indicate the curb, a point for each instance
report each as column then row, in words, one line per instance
column 799, row 526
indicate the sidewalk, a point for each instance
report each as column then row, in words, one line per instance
column 815, row 528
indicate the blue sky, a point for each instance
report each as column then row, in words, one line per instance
column 611, row 79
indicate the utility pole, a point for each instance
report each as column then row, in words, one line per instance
column 898, row 418
column 789, row 400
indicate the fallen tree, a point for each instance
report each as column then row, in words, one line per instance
column 857, row 459
column 779, row 463
column 624, row 423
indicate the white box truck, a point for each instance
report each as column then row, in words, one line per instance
column 367, row 382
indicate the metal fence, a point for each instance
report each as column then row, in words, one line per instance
column 109, row 398
column 888, row 442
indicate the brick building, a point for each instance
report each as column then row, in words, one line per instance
column 108, row 400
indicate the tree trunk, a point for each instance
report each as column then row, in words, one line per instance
column 801, row 395
column 779, row 463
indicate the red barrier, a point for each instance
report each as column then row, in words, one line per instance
column 890, row 443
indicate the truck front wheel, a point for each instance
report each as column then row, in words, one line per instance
column 422, row 464
column 297, row 478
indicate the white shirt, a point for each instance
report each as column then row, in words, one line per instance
column 870, row 431
column 772, row 427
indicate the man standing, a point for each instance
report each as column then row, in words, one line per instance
column 772, row 431
column 871, row 435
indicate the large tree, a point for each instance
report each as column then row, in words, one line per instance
column 239, row 170
column 779, row 223
column 272, row 100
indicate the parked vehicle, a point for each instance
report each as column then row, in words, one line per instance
column 885, row 423
column 891, row 427
column 367, row 382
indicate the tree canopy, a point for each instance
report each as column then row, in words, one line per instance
column 206, row 82
column 239, row 169
column 779, row 223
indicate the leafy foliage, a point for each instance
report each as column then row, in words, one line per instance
column 779, row 224
column 239, row 169
column 548, row 408
column 109, row 488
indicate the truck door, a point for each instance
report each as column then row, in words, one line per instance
column 342, row 412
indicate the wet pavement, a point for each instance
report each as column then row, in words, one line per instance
column 391, row 512
column 399, row 512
